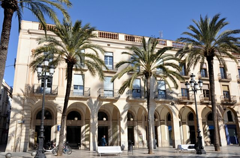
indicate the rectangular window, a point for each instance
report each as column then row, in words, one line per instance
column 184, row 92
column 162, row 90
column 183, row 72
column 138, row 68
column 78, row 85
column 226, row 94
column 83, row 58
column 108, row 59
column 238, row 73
column 108, row 87
column 136, row 91
column 223, row 73
column 206, row 92
column 203, row 72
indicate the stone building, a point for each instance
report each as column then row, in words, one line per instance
column 95, row 107
column 5, row 109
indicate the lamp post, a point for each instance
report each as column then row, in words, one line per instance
column 44, row 72
column 195, row 87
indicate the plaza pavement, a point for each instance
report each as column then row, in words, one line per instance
column 163, row 152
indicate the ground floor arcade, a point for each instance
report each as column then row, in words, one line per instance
column 121, row 122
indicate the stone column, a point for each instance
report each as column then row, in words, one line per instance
column 222, row 133
column 124, row 129
column 164, row 134
column 176, row 131
column 185, row 130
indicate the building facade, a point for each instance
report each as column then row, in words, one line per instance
column 5, row 109
column 96, row 109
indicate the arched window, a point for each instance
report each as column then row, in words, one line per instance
column 102, row 116
column 74, row 115
column 47, row 115
column 210, row 117
column 129, row 116
column 190, row 117
column 229, row 115
column 169, row 117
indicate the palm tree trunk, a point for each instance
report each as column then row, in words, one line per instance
column 63, row 119
column 214, row 106
column 9, row 8
column 149, row 124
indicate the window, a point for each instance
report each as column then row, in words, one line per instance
column 83, row 58
column 183, row 71
column 78, row 86
column 184, row 92
column 108, row 87
column 223, row 73
column 226, row 94
column 138, row 68
column 108, row 59
column 203, row 72
column 239, row 73
column 229, row 115
column 159, row 70
column 161, row 90
column 206, row 92
column 136, row 91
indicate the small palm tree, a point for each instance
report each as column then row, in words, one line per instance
column 147, row 62
column 39, row 8
column 73, row 39
column 205, row 41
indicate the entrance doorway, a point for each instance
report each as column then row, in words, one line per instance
column 231, row 134
column 192, row 134
column 47, row 133
column 74, row 136
column 131, row 134
column 102, row 130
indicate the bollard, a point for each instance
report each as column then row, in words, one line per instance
column 8, row 155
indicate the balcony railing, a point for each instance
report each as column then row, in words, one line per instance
column 80, row 93
column 204, row 99
column 37, row 89
column 137, row 39
column 108, row 94
column 111, row 68
column 178, row 45
column 136, row 94
column 186, row 99
column 167, row 97
column 231, row 100
column 162, row 42
column 109, row 35
column 224, row 77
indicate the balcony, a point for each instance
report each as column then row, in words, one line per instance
column 37, row 89
column 163, row 98
column 111, row 68
column 224, row 77
column 136, row 95
column 109, row 35
column 80, row 94
column 203, row 76
column 231, row 100
column 186, row 99
column 204, row 100
column 108, row 95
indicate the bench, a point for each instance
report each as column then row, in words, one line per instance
column 109, row 150
column 186, row 147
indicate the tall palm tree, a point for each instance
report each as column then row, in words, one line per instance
column 205, row 41
column 73, row 39
column 39, row 8
column 146, row 62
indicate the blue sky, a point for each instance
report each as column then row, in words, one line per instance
column 137, row 17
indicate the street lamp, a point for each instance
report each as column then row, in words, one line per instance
column 44, row 72
column 195, row 87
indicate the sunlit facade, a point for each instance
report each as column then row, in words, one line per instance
column 96, row 109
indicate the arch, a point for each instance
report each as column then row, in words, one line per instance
column 47, row 115
column 130, row 116
column 169, row 117
column 102, row 116
column 190, row 116
column 74, row 115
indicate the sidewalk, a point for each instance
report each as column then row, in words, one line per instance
column 229, row 151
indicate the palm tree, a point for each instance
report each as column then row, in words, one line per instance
column 73, row 39
column 39, row 8
column 205, row 41
column 147, row 62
